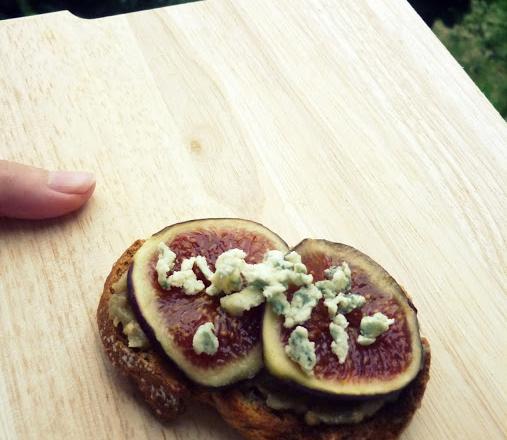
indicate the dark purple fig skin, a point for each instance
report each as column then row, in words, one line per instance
column 139, row 316
column 221, row 219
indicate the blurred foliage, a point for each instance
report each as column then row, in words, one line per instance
column 474, row 31
column 479, row 43
column 449, row 11
column 81, row 8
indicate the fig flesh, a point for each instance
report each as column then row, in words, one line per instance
column 381, row 368
column 172, row 317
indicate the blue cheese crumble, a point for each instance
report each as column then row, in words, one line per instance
column 185, row 277
column 301, row 306
column 187, row 280
column 204, row 340
column 340, row 277
column 343, row 303
column 200, row 262
column 277, row 299
column 276, row 272
column 301, row 350
column 372, row 327
column 243, row 286
column 121, row 313
column 340, row 344
column 165, row 263
column 239, row 302
column 227, row 277
column 274, row 275
column 339, row 281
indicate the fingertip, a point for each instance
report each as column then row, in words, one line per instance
column 33, row 193
column 67, row 203
column 71, row 182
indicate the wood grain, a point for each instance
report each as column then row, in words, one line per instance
column 341, row 120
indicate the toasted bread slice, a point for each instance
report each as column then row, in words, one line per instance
column 162, row 386
column 256, row 421
column 166, row 390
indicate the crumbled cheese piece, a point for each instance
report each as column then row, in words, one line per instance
column 236, row 303
column 185, row 277
column 299, row 278
column 340, row 277
column 261, row 275
column 373, row 326
column 187, row 264
column 204, row 340
column 340, row 344
column 279, row 401
column 332, row 304
column 341, row 320
column 187, row 280
column 274, row 290
column 278, row 300
column 294, row 271
column 135, row 335
column 121, row 312
column 276, row 259
column 273, row 277
column 344, row 303
column 356, row 414
column 293, row 257
column 227, row 277
column 301, row 268
column 327, row 288
column 301, row 306
column 121, row 284
column 165, row 263
column 301, row 350
column 339, row 281
column 351, row 302
column 275, row 269
column 202, row 264
column 316, row 412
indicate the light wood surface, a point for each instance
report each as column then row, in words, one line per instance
column 344, row 120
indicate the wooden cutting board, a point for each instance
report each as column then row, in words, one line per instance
column 344, row 120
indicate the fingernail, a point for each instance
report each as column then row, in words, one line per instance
column 70, row 182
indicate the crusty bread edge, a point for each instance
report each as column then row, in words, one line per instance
column 255, row 421
column 161, row 385
column 166, row 390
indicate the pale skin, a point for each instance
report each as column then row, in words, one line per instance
column 33, row 193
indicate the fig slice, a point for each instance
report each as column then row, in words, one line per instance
column 171, row 317
column 382, row 368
